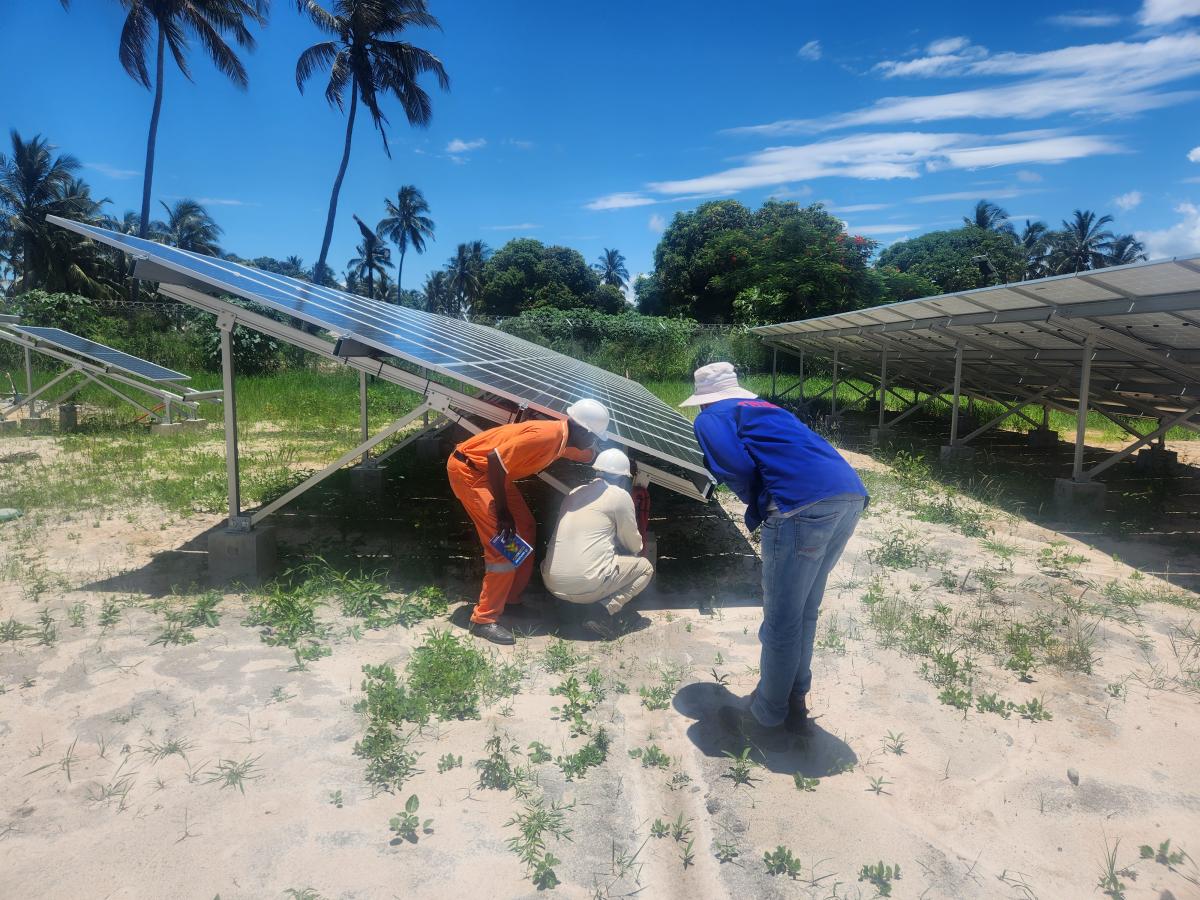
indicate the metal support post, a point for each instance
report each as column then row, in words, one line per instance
column 958, row 362
column 883, row 373
column 833, row 399
column 362, row 413
column 237, row 521
column 1085, row 382
column 1045, row 417
column 801, row 376
column 1164, row 426
column 774, row 368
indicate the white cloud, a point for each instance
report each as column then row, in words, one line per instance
column 1085, row 19
column 620, row 200
column 948, row 45
column 859, row 207
column 810, row 51
column 1005, row 194
column 224, row 201
column 947, row 55
column 112, row 171
column 887, row 156
column 783, row 192
column 657, row 222
column 1028, row 177
column 885, row 228
column 1163, row 12
column 1113, row 79
column 1128, row 201
column 1181, row 239
column 524, row 226
column 1194, row 155
column 458, row 145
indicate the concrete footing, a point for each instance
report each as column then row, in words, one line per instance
column 8, row 426
column 1085, row 497
column 193, row 424
column 166, row 428
column 1156, row 461
column 430, row 447
column 40, row 425
column 68, row 418
column 242, row 557
column 1041, row 438
column 880, row 436
column 956, row 455
column 366, row 480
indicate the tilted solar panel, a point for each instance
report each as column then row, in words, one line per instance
column 101, row 353
column 486, row 358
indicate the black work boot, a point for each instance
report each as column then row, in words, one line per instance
column 797, row 717
column 492, row 631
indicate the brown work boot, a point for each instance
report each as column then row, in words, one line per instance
column 492, row 631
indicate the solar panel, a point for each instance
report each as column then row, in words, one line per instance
column 101, row 353
column 486, row 358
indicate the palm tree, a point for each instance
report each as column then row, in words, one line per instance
column 1125, row 249
column 436, row 292
column 464, row 274
column 169, row 23
column 406, row 223
column 189, row 227
column 34, row 183
column 364, row 57
column 373, row 256
column 612, row 268
column 1082, row 243
column 1035, row 244
column 989, row 217
column 72, row 263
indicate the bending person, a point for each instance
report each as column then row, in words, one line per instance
column 483, row 471
column 808, row 501
column 593, row 554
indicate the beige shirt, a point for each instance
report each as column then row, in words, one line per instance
column 597, row 523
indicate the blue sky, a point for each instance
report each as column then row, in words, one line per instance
column 592, row 125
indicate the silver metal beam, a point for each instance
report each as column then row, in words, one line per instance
column 32, row 396
column 1161, row 431
column 1008, row 411
column 958, row 363
column 232, row 481
column 883, row 374
column 1085, row 377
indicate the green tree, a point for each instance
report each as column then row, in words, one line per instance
column 169, row 24
column 951, row 260
column 1082, row 244
column 406, row 223
column 1125, row 249
column 374, row 256
column 464, row 277
column 435, row 293
column 365, row 57
column 1035, row 245
column 611, row 267
column 189, row 227
column 990, row 217
column 525, row 273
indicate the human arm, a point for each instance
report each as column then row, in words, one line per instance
column 725, row 456
column 625, row 518
column 497, row 477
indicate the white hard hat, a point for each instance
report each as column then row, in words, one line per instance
column 592, row 415
column 612, row 462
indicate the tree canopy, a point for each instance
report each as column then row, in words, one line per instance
column 526, row 274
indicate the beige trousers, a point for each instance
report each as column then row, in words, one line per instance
column 633, row 574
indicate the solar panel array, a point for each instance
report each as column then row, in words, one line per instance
column 1142, row 322
column 100, row 353
column 483, row 357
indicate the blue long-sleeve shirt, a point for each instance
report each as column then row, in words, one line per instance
column 767, row 457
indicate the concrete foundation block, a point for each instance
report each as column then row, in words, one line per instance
column 366, row 480
column 37, row 425
column 1078, row 497
column 193, row 424
column 8, row 426
column 242, row 557
column 166, row 428
column 430, row 447
column 1156, row 461
column 68, row 418
column 1041, row 438
column 881, row 436
column 956, row 455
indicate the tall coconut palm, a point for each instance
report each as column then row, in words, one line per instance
column 406, row 224
column 989, row 217
column 1125, row 249
column 464, row 273
column 72, row 263
column 612, row 268
column 1082, row 243
column 365, row 57
column 168, row 24
column 34, row 183
column 1035, row 244
column 436, row 292
column 189, row 227
column 373, row 256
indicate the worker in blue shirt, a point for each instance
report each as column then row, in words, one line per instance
column 807, row 500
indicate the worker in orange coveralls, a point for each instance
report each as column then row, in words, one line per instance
column 483, row 471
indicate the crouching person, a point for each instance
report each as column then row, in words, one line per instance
column 593, row 557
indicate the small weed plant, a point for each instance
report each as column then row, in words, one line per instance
column 781, row 861
column 880, row 876
column 405, row 824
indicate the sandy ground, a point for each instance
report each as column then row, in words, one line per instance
column 975, row 806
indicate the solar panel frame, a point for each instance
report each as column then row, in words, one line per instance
column 102, row 354
column 534, row 376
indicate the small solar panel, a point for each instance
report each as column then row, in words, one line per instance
column 101, row 353
column 489, row 359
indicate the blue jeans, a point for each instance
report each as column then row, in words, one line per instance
column 798, row 554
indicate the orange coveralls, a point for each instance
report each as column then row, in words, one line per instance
column 524, row 448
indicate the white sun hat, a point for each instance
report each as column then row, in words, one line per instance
column 612, row 462
column 592, row 415
column 717, row 381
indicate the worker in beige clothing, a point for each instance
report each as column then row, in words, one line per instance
column 592, row 555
